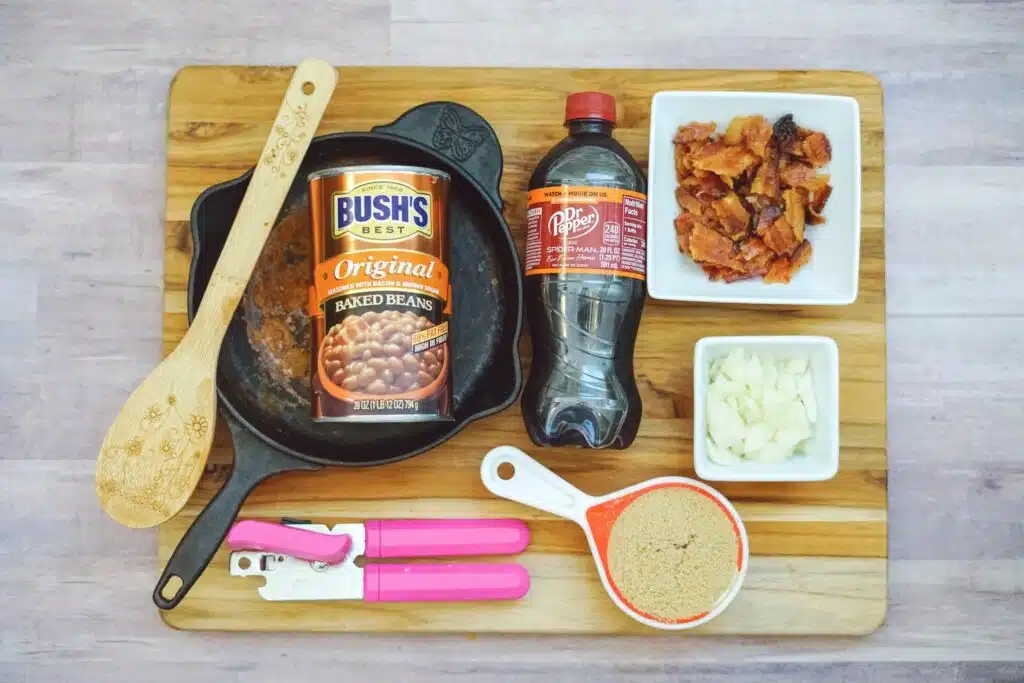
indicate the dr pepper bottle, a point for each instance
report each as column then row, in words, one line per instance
column 585, row 286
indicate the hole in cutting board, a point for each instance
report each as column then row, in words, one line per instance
column 171, row 588
column 308, row 88
column 244, row 563
column 506, row 471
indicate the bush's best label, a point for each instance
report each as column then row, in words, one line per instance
column 599, row 230
column 382, row 211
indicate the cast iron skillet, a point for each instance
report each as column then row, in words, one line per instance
column 271, row 429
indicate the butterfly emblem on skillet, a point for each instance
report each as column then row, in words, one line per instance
column 456, row 138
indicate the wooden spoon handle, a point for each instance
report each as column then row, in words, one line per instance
column 301, row 110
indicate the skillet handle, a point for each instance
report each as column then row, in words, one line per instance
column 254, row 462
column 458, row 133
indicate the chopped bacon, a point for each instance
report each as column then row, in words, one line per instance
column 757, row 134
column 753, row 132
column 786, row 135
column 797, row 174
column 767, row 212
column 779, row 271
column 714, row 273
column 683, row 168
column 690, row 182
column 695, row 132
column 710, row 187
column 722, row 159
column 794, row 201
column 766, row 180
column 816, row 205
column 687, row 201
column 684, row 226
column 759, row 202
column 817, row 183
column 746, row 196
column 817, row 149
column 708, row 215
column 756, row 255
column 802, row 255
column 742, row 184
column 732, row 215
column 783, row 268
column 710, row 246
column 683, row 241
column 780, row 237
column 733, row 276
column 734, row 133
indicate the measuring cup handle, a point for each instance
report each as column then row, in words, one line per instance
column 530, row 483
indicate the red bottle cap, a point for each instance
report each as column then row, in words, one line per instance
column 590, row 105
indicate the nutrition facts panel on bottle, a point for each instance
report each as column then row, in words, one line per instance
column 634, row 235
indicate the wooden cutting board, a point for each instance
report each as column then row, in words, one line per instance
column 819, row 550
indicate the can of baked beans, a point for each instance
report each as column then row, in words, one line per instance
column 380, row 298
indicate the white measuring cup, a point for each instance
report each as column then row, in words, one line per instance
column 524, row 480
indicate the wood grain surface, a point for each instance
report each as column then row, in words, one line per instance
column 819, row 549
column 83, row 122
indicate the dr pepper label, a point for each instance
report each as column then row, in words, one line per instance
column 600, row 230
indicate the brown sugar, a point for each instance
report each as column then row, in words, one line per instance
column 672, row 553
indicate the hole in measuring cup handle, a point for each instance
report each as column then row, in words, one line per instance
column 505, row 471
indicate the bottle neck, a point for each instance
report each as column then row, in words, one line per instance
column 590, row 126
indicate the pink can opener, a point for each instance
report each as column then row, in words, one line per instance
column 317, row 562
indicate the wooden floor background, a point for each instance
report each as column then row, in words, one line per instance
column 83, row 88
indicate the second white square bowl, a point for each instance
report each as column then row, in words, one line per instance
column 831, row 276
column 821, row 460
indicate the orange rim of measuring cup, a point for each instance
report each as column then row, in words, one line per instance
column 602, row 517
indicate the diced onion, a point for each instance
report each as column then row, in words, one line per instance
column 759, row 408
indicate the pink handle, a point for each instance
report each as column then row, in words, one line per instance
column 252, row 534
column 445, row 537
column 444, row 582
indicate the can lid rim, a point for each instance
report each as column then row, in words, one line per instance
column 341, row 170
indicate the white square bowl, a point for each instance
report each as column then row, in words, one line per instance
column 831, row 276
column 821, row 460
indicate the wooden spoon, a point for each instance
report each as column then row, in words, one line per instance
column 154, row 453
